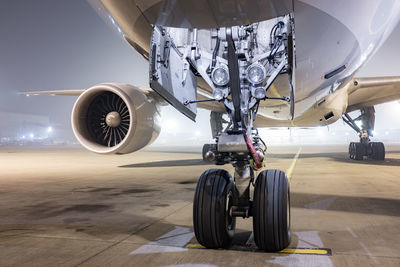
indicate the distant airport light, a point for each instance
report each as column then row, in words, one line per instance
column 23, row 137
column 49, row 129
column 170, row 126
column 31, row 135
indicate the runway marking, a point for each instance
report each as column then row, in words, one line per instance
column 301, row 260
column 309, row 239
column 304, row 251
column 289, row 171
column 369, row 253
column 351, row 232
column 250, row 241
column 195, row 246
column 173, row 241
column 308, row 251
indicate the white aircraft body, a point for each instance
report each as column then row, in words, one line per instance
column 253, row 63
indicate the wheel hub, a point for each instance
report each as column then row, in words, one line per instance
column 113, row 119
column 228, row 208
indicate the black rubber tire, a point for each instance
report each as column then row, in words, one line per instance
column 271, row 211
column 378, row 150
column 351, row 150
column 214, row 196
column 359, row 151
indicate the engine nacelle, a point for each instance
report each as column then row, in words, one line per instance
column 112, row 118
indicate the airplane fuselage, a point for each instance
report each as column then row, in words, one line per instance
column 333, row 39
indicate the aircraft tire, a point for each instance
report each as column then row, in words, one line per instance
column 359, row 151
column 378, row 150
column 271, row 211
column 351, row 150
column 214, row 226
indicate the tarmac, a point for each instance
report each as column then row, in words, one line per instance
column 69, row 207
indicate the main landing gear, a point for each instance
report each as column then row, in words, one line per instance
column 364, row 148
column 372, row 150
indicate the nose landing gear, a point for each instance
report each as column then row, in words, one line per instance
column 240, row 76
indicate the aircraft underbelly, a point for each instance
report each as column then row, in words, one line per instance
column 333, row 38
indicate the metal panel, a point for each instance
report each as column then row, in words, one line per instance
column 232, row 143
column 170, row 74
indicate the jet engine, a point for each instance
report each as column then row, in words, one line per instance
column 112, row 118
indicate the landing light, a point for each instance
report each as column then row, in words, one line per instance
column 256, row 73
column 220, row 75
column 218, row 94
column 259, row 93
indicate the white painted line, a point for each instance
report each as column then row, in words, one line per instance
column 309, row 239
column 351, row 232
column 250, row 241
column 369, row 253
column 300, row 260
column 173, row 241
column 289, row 171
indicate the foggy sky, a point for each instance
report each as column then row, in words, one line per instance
column 60, row 44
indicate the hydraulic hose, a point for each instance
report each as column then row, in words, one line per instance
column 215, row 52
column 252, row 150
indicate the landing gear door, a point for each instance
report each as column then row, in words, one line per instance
column 170, row 74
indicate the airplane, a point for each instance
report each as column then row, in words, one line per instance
column 252, row 63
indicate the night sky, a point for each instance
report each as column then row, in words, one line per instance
column 60, row 44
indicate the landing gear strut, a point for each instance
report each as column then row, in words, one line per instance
column 364, row 148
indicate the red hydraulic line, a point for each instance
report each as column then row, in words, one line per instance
column 252, row 150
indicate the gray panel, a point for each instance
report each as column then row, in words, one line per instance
column 170, row 74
